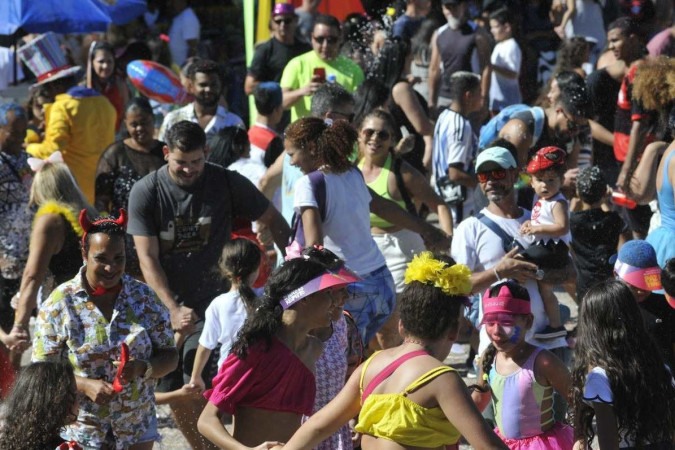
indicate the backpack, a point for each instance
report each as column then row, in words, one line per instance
column 297, row 238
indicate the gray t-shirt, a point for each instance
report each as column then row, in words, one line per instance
column 192, row 225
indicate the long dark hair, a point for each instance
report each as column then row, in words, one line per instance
column 264, row 322
column 38, row 407
column 104, row 47
column 227, row 146
column 612, row 335
column 368, row 97
column 241, row 258
column 388, row 66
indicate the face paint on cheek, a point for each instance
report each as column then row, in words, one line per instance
column 514, row 334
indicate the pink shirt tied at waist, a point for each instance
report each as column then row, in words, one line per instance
column 273, row 379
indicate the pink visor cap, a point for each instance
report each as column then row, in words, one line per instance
column 648, row 279
column 341, row 278
column 504, row 303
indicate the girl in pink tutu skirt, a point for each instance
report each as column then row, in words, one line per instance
column 518, row 377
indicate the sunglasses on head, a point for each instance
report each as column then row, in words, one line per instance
column 496, row 174
column 381, row 134
column 285, row 20
column 329, row 39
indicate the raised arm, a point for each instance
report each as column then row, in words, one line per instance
column 434, row 73
column 420, row 189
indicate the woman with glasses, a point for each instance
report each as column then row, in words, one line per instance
column 408, row 108
column 388, row 175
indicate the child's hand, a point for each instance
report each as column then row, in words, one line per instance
column 197, row 382
column 526, row 228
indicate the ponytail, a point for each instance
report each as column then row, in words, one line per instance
column 262, row 324
column 264, row 319
column 329, row 142
column 487, row 360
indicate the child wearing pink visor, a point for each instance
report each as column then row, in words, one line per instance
column 636, row 265
column 518, row 377
column 267, row 382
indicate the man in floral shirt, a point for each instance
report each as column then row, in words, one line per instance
column 70, row 326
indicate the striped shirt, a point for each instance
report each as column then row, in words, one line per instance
column 455, row 144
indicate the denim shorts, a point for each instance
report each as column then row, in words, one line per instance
column 371, row 301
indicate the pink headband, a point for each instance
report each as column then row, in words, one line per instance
column 647, row 279
column 505, row 302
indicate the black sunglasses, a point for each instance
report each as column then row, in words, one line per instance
column 382, row 134
column 331, row 40
column 286, row 21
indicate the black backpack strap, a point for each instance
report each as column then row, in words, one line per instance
column 409, row 205
column 507, row 241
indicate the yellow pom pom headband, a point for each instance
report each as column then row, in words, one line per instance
column 454, row 280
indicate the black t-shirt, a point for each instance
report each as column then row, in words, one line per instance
column 603, row 91
column 595, row 236
column 659, row 319
column 270, row 59
column 192, row 226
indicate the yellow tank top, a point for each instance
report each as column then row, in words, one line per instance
column 381, row 187
column 397, row 418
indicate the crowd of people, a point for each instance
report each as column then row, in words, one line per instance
column 428, row 173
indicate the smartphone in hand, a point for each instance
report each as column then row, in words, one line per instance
column 319, row 75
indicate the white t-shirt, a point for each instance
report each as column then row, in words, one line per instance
column 505, row 91
column 250, row 168
column 346, row 229
column 542, row 214
column 475, row 245
column 454, row 143
column 184, row 27
column 223, row 318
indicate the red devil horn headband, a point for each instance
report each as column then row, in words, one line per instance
column 86, row 224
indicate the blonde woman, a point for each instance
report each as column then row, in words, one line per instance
column 55, row 237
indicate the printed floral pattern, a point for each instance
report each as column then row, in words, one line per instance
column 15, row 215
column 331, row 372
column 69, row 326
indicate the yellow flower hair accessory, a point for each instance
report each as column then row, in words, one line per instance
column 454, row 280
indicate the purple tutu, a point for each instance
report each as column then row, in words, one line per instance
column 560, row 437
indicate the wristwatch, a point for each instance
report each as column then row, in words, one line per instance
column 148, row 371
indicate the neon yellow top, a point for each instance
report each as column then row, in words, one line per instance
column 397, row 418
column 381, row 187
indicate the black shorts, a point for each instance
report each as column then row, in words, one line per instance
column 638, row 218
column 7, row 290
column 181, row 376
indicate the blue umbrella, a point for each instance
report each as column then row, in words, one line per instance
column 123, row 11
column 59, row 16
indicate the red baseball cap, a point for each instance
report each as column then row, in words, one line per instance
column 546, row 158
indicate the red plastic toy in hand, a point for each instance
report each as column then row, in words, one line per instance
column 621, row 199
column 124, row 359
